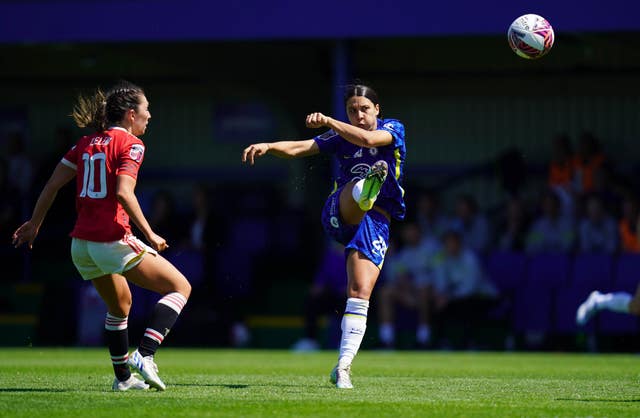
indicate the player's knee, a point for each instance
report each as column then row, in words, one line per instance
column 122, row 308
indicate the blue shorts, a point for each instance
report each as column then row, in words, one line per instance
column 370, row 237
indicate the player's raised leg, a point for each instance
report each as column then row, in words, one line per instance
column 155, row 273
column 114, row 290
column 357, row 197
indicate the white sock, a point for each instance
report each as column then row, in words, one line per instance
column 357, row 190
column 617, row 302
column 387, row 333
column 354, row 324
column 423, row 333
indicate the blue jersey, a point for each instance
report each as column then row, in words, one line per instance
column 355, row 161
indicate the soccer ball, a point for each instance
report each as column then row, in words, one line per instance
column 530, row 36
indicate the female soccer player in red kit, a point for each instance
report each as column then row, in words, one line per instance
column 105, row 165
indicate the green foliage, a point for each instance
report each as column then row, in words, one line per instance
column 210, row 383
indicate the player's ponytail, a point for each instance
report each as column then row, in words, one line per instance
column 104, row 110
column 89, row 112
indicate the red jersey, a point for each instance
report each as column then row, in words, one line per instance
column 98, row 160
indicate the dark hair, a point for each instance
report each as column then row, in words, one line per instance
column 360, row 90
column 101, row 110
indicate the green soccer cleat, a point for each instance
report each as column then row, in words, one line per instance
column 373, row 181
column 341, row 377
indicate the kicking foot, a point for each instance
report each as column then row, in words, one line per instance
column 588, row 308
column 147, row 368
column 341, row 377
column 373, row 181
column 132, row 383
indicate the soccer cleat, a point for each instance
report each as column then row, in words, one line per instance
column 147, row 368
column 341, row 377
column 132, row 383
column 588, row 308
column 373, row 181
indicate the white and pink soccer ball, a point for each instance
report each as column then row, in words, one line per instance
column 530, row 36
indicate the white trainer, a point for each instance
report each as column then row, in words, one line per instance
column 132, row 383
column 341, row 377
column 147, row 368
column 588, row 308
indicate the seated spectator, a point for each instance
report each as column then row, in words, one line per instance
column 461, row 294
column 597, row 232
column 561, row 164
column 512, row 234
column 628, row 225
column 587, row 163
column 552, row 231
column 326, row 296
column 406, row 278
column 471, row 224
column 432, row 222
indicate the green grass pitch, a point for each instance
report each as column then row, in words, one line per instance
column 209, row 383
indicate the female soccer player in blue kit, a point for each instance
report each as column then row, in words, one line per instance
column 364, row 200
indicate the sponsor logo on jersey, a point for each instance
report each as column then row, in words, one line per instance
column 327, row 135
column 360, row 170
column 136, row 152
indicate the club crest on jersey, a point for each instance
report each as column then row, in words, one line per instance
column 327, row 135
column 136, row 152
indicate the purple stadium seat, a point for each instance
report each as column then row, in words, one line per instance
column 626, row 279
column 506, row 270
column 589, row 272
column 534, row 298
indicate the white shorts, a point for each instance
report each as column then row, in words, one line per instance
column 95, row 259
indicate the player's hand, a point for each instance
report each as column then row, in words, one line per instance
column 254, row 150
column 157, row 242
column 25, row 234
column 316, row 120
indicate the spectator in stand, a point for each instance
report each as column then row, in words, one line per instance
column 407, row 280
column 471, row 224
column 512, row 234
column 628, row 225
column 597, row 232
column 552, row 231
column 561, row 164
column 461, row 294
column 326, row 296
column 587, row 163
column 433, row 223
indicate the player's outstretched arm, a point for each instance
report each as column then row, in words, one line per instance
column 353, row 134
column 29, row 230
column 281, row 149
